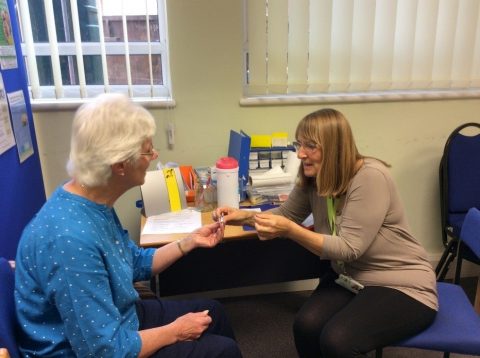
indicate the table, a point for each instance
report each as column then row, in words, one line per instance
column 231, row 233
column 240, row 260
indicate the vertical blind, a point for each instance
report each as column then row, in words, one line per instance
column 71, row 81
column 312, row 47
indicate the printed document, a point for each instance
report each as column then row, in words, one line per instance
column 175, row 222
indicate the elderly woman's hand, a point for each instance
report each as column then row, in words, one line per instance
column 208, row 235
column 191, row 325
column 270, row 226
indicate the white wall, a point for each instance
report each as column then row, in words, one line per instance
column 206, row 39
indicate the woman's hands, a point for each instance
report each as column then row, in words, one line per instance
column 206, row 236
column 270, row 226
column 233, row 216
column 185, row 328
column 191, row 325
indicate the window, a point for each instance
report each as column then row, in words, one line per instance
column 347, row 50
column 76, row 49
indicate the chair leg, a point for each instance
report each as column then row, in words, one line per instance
column 441, row 262
column 448, row 256
column 477, row 297
column 458, row 267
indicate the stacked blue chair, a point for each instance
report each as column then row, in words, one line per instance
column 8, row 321
column 459, row 175
column 469, row 245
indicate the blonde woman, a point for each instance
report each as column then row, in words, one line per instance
column 381, row 287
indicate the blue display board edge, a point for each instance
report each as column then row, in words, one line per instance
column 22, row 192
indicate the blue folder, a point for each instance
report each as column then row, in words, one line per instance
column 239, row 148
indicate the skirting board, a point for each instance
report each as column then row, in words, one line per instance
column 468, row 270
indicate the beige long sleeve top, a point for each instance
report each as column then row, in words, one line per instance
column 373, row 236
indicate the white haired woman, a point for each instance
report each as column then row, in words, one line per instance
column 76, row 264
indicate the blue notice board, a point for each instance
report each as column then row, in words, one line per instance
column 22, row 191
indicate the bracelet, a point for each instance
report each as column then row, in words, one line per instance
column 180, row 247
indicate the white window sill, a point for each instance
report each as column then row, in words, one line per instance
column 359, row 97
column 46, row 105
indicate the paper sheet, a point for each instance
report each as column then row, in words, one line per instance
column 8, row 56
column 292, row 164
column 7, row 139
column 275, row 176
column 176, row 222
column 21, row 127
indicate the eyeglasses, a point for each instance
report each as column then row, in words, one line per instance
column 153, row 153
column 308, row 147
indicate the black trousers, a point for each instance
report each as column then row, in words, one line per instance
column 337, row 323
column 217, row 341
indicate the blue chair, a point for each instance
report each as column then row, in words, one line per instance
column 8, row 320
column 456, row 328
column 459, row 175
column 469, row 244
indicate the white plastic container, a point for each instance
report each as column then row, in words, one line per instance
column 227, row 182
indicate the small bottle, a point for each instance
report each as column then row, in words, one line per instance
column 204, row 200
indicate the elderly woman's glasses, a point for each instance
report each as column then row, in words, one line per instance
column 308, row 147
column 153, row 152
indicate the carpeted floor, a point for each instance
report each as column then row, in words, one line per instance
column 263, row 325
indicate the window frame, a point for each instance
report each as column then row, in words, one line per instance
column 154, row 96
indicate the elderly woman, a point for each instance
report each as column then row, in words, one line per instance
column 381, row 287
column 76, row 264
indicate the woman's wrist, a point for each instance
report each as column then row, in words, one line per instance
column 292, row 229
column 249, row 219
column 185, row 245
column 180, row 247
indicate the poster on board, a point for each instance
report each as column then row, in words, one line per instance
column 7, row 140
column 8, row 56
column 21, row 128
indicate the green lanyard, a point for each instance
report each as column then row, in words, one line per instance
column 331, row 221
column 331, row 215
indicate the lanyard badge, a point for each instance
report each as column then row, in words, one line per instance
column 349, row 283
column 343, row 279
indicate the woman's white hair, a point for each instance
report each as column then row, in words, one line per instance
column 109, row 130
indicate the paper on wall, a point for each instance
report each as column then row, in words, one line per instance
column 7, row 140
column 21, row 127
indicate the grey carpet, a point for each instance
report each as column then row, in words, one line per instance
column 263, row 325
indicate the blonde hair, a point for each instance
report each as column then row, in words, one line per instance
column 108, row 130
column 330, row 130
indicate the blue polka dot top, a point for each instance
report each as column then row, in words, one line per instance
column 74, row 293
